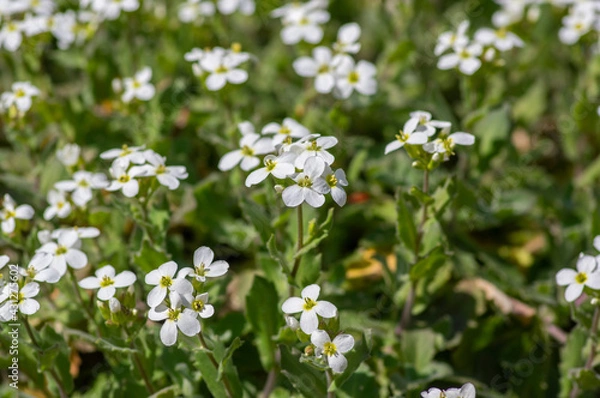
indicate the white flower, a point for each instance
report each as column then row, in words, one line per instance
column 251, row 144
column 315, row 147
column 310, row 308
column 285, row 131
column 59, row 205
column 11, row 36
column 39, row 269
column 82, row 232
column 222, row 66
column 334, row 180
column 359, row 77
column 466, row 391
column 309, row 187
column 586, row 275
column 407, row 135
column 303, row 23
column 139, row 86
column 125, row 155
column 322, row 66
column 63, row 27
column 81, row 186
column 34, row 24
column 204, row 267
column 10, row 212
column 111, row 9
column 333, row 350
column 168, row 176
column 575, row 25
column 164, row 281
column 227, row 7
column 199, row 305
column 501, row 39
column 25, row 302
column 175, row 318
column 445, row 146
column 597, row 242
column 65, row 252
column 420, row 121
column 347, row 39
column 279, row 166
column 42, row 7
column 107, row 281
column 125, row 180
column 191, row 10
column 20, row 96
column 465, row 58
column 69, row 154
column 451, row 39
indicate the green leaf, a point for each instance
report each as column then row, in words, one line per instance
column 309, row 270
column 571, row 356
column 149, row 258
column 258, row 217
column 56, row 356
column 264, row 317
column 421, row 196
column 428, row 265
column 308, row 381
column 587, row 379
column 418, row 349
column 406, row 228
column 210, row 375
column 358, row 355
column 99, row 342
column 492, row 129
column 276, row 254
column 530, row 106
column 237, row 343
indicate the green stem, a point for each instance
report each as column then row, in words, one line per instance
column 407, row 310
column 329, row 375
column 53, row 374
column 215, row 364
column 140, row 367
column 87, row 310
column 299, row 246
column 594, row 348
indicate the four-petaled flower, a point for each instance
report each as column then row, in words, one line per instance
column 310, row 308
column 586, row 275
column 175, row 317
column 204, row 267
column 333, row 350
column 107, row 281
column 164, row 280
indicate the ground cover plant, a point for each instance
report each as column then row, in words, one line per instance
column 344, row 198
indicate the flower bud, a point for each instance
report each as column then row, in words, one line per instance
column 292, row 322
column 309, row 350
column 117, row 85
column 595, row 301
column 114, row 305
column 278, row 188
column 104, row 310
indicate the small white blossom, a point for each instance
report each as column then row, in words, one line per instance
column 81, row 186
column 315, row 146
column 251, row 145
column 20, row 97
column 69, row 154
column 168, row 176
column 228, row 7
column 303, row 23
column 333, row 350
column 448, row 40
column 111, row 9
column 107, row 282
column 139, row 86
column 11, row 35
column 192, row 10
column 501, row 39
column 465, row 58
column 175, row 318
column 65, row 252
column 347, row 39
column 204, row 266
column 407, row 135
column 310, row 308
column 351, row 76
column 165, row 282
column 222, row 68
column 39, row 269
column 59, row 205
column 125, row 155
column 445, row 146
column 25, row 302
column 322, row 66
column 199, row 305
column 466, row 391
column 11, row 212
column 279, row 166
column 587, row 274
column 336, row 180
column 125, row 180
column 309, row 186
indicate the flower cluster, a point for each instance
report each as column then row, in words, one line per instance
column 583, row 18
column 417, row 134
column 466, row 391
column 198, row 10
column 111, row 9
column 311, row 309
column 132, row 163
column 178, row 302
column 335, row 70
column 294, row 157
column 219, row 66
column 302, row 21
column 18, row 100
column 468, row 54
column 137, row 87
column 32, row 18
column 587, row 275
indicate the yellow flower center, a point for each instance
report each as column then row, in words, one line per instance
column 19, row 93
column 313, row 147
column 198, row 305
column 402, row 136
column 31, row 272
column 60, row 250
column 173, row 314
column 200, row 270
column 60, row 205
column 284, row 130
column 353, row 77
column 309, row 304
column 331, row 180
column 83, row 183
column 9, row 214
column 136, row 84
column 221, row 69
column 165, row 281
column 329, row 349
column 236, row 47
column 106, row 281
column 124, row 178
column 581, row 278
column 305, row 182
column 323, row 69
column 161, row 169
column 270, row 164
column 247, row 151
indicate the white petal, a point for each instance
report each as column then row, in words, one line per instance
column 216, row 269
column 91, row 282
column 106, row 293
column 203, row 255
column 448, row 61
column 470, row 66
column 293, row 305
column 338, row 363
column 593, row 280
column 339, row 196
column 30, row 290
column 124, row 279
column 565, row 277
column 344, row 342
column 230, row 160
column 586, row 264
column 153, row 277
column 311, row 292
column 313, row 198
column 319, row 338
column 29, row 306
column 168, row 269
column 463, row 138
column 573, row 292
column 131, row 188
column 305, row 67
column 188, row 324
column 24, row 212
column 325, row 309
column 76, row 258
column 392, row 146
column 257, row 176
column 168, row 333
column 597, row 239
column 216, row 81
column 292, row 196
column 309, row 322
column 237, row 76
column 156, row 296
